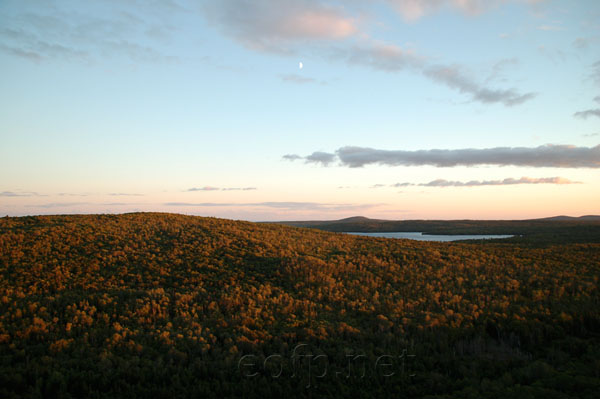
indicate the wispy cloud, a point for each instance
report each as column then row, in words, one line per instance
column 20, row 194
column 557, row 156
column 58, row 205
column 205, row 188
column 595, row 75
column 40, row 32
column 552, row 28
column 412, row 10
column 280, row 26
column 581, row 43
column 382, row 56
column 319, row 157
column 283, row 205
column 68, row 205
column 72, row 195
column 21, row 53
column 323, row 158
column 499, row 67
column 454, row 77
column 211, row 188
column 292, row 157
column 295, row 78
column 587, row 113
column 391, row 58
column 36, row 194
column 478, row 183
column 125, row 195
column 553, row 54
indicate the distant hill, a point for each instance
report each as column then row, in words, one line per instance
column 356, row 219
column 557, row 229
column 364, row 219
column 353, row 220
column 589, row 218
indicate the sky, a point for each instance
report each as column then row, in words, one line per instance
column 301, row 109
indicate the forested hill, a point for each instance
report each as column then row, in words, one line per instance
column 559, row 229
column 172, row 306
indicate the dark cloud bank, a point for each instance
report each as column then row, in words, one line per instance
column 555, row 156
column 478, row 183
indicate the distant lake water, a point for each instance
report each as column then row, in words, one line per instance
column 433, row 237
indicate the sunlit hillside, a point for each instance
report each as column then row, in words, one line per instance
column 165, row 305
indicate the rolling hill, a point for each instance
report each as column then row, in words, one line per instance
column 164, row 305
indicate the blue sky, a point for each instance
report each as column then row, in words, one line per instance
column 200, row 107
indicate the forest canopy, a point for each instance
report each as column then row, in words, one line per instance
column 181, row 306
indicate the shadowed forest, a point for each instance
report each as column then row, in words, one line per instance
column 172, row 306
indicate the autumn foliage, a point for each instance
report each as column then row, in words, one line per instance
column 166, row 305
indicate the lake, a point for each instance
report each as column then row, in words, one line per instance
column 431, row 237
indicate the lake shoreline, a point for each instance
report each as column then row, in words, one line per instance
column 420, row 236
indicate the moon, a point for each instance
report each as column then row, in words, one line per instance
column 300, row 65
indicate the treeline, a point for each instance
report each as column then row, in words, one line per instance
column 535, row 232
column 179, row 306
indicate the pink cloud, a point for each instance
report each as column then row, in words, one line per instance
column 276, row 26
column 319, row 24
column 412, row 10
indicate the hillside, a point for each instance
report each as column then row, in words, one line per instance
column 164, row 305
